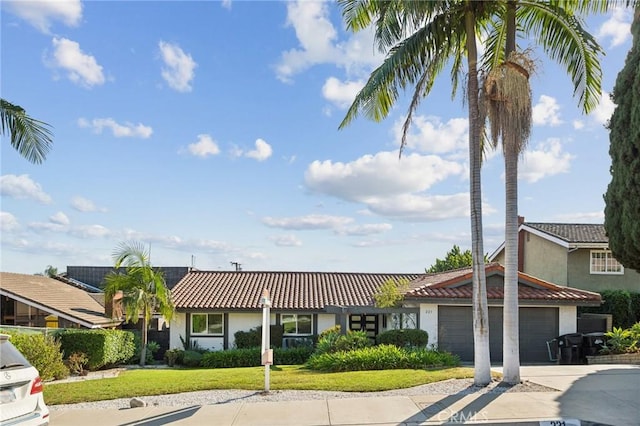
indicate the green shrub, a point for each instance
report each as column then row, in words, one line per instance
column 149, row 356
column 232, row 358
column 624, row 307
column 333, row 342
column 621, row 341
column 43, row 352
column 331, row 330
column 292, row 356
column 192, row 359
column 174, row 357
column 404, row 338
column 248, row 339
column 382, row 357
column 104, row 348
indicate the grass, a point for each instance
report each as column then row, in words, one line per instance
column 146, row 382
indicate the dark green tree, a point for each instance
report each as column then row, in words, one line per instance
column 622, row 199
column 454, row 259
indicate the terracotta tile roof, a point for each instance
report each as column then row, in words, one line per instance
column 288, row 290
column 457, row 285
column 55, row 297
column 573, row 232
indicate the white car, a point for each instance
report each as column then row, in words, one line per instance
column 21, row 400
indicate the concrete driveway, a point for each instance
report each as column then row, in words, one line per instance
column 608, row 394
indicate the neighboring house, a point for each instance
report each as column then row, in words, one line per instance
column 38, row 301
column 212, row 306
column 95, row 275
column 574, row 255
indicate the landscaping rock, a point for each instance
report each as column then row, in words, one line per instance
column 137, row 402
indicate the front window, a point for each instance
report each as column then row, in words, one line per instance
column 402, row 320
column 296, row 324
column 207, row 324
column 603, row 262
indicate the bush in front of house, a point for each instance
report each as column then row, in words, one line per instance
column 335, row 342
column 149, row 356
column 104, row 348
column 251, row 357
column 381, row 357
column 193, row 359
column 253, row 337
column 404, row 338
column 43, row 352
column 621, row 341
column 623, row 305
column 292, row 356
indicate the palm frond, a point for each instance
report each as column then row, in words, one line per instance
column 564, row 39
column 30, row 137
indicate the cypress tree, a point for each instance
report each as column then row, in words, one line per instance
column 622, row 199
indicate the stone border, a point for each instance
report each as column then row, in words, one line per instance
column 630, row 358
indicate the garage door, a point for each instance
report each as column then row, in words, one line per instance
column 537, row 326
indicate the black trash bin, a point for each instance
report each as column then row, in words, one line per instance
column 570, row 349
column 592, row 343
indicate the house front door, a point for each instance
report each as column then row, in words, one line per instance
column 364, row 322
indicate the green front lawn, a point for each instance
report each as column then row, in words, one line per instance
column 145, row 382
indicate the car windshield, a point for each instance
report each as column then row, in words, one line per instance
column 10, row 357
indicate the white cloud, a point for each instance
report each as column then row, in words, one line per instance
column 8, row 222
column 380, row 175
column 85, row 205
column 602, row 113
column 367, row 229
column 205, row 147
column 23, row 187
column 309, row 222
column 286, row 240
column 547, row 159
column 341, row 93
column 546, row 112
column 90, row 231
column 81, row 68
column 319, row 42
column 226, row 4
column 262, row 152
column 126, row 130
column 429, row 134
column 60, row 219
column 578, row 124
column 42, row 14
column 423, row 208
column 617, row 27
column 179, row 67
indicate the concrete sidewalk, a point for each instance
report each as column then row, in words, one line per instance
column 591, row 393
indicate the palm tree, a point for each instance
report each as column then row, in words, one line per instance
column 30, row 137
column 562, row 36
column 144, row 290
column 422, row 38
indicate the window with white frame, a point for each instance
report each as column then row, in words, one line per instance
column 603, row 262
column 207, row 324
column 297, row 324
column 398, row 320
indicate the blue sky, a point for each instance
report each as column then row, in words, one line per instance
column 209, row 131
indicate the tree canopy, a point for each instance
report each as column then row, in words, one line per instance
column 454, row 259
column 622, row 211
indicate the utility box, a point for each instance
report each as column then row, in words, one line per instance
column 267, row 357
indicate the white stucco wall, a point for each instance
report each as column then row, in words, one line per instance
column 244, row 322
column 567, row 320
column 429, row 321
column 325, row 321
column 177, row 328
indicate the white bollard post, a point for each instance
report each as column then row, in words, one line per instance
column 267, row 353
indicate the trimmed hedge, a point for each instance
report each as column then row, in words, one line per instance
column 404, row 338
column 103, row 348
column 236, row 358
column 382, row 357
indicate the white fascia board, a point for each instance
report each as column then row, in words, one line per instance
column 496, row 252
column 50, row 310
column 537, row 232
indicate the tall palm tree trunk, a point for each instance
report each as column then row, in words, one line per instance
column 510, row 332
column 482, row 361
column 510, row 327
